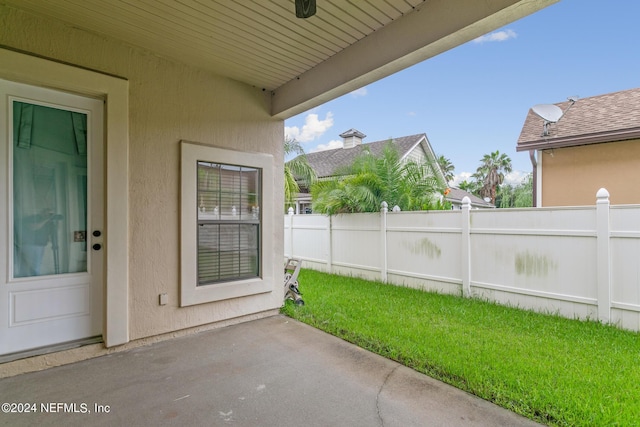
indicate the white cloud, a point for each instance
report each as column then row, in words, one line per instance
column 515, row 177
column 458, row 178
column 335, row 143
column 313, row 128
column 498, row 36
column 512, row 178
column 359, row 92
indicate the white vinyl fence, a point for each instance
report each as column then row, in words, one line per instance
column 581, row 262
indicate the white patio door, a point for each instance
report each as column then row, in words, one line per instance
column 51, row 217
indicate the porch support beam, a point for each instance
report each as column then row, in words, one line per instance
column 435, row 27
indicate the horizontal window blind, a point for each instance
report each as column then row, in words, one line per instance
column 228, row 222
column 227, row 252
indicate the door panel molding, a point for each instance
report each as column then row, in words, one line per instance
column 60, row 302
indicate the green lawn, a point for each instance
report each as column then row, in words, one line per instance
column 556, row 371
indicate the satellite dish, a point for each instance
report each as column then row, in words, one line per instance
column 549, row 112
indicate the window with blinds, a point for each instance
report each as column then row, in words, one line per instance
column 228, row 206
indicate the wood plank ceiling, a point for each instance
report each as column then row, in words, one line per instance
column 259, row 42
column 302, row 63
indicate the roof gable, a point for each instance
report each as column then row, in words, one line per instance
column 605, row 118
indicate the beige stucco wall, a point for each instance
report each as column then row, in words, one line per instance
column 168, row 102
column 572, row 176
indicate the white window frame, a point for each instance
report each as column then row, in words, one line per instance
column 190, row 292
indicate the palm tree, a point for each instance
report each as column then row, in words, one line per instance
column 447, row 168
column 296, row 171
column 469, row 186
column 370, row 180
column 491, row 173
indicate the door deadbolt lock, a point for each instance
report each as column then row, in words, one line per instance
column 97, row 247
column 97, row 233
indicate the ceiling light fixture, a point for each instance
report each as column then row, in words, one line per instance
column 305, row 8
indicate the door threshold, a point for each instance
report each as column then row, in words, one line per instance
column 49, row 349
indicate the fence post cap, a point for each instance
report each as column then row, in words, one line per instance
column 466, row 202
column 602, row 194
column 290, row 210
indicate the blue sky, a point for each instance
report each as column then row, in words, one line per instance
column 473, row 99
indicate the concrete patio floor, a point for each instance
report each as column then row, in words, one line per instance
column 269, row 372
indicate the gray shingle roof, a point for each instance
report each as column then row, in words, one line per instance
column 604, row 118
column 325, row 163
column 456, row 195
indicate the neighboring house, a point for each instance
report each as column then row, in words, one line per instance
column 303, row 204
column 455, row 196
column 595, row 144
column 142, row 158
column 329, row 163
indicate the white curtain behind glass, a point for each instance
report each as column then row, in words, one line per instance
column 49, row 190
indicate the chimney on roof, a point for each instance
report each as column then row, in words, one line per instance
column 352, row 138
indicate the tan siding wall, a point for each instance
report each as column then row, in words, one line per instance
column 572, row 176
column 168, row 101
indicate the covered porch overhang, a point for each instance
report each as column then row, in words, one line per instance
column 302, row 62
